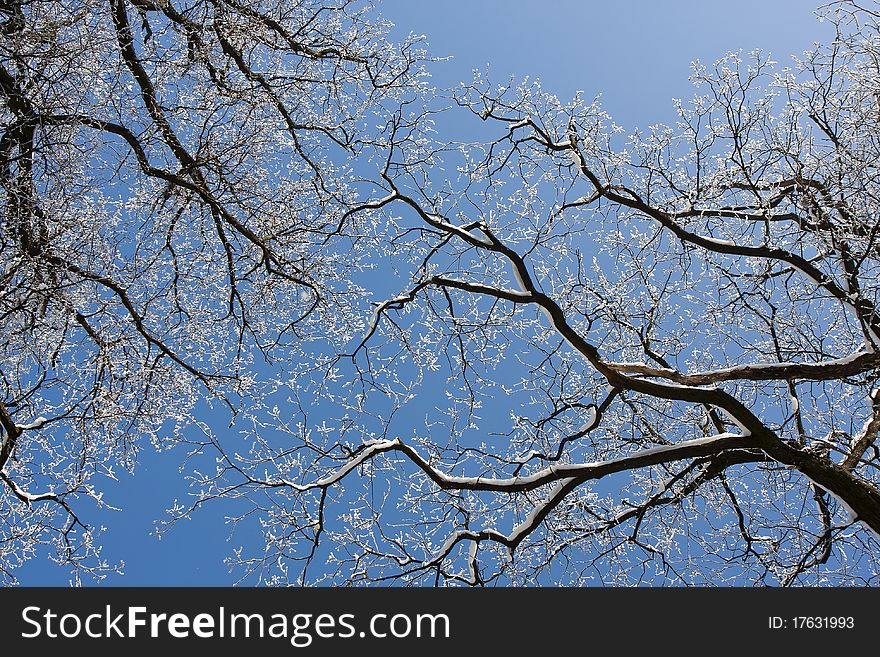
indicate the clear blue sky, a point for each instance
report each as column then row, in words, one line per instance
column 635, row 53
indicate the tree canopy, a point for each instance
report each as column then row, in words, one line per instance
column 557, row 353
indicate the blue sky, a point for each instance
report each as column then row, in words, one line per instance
column 636, row 54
